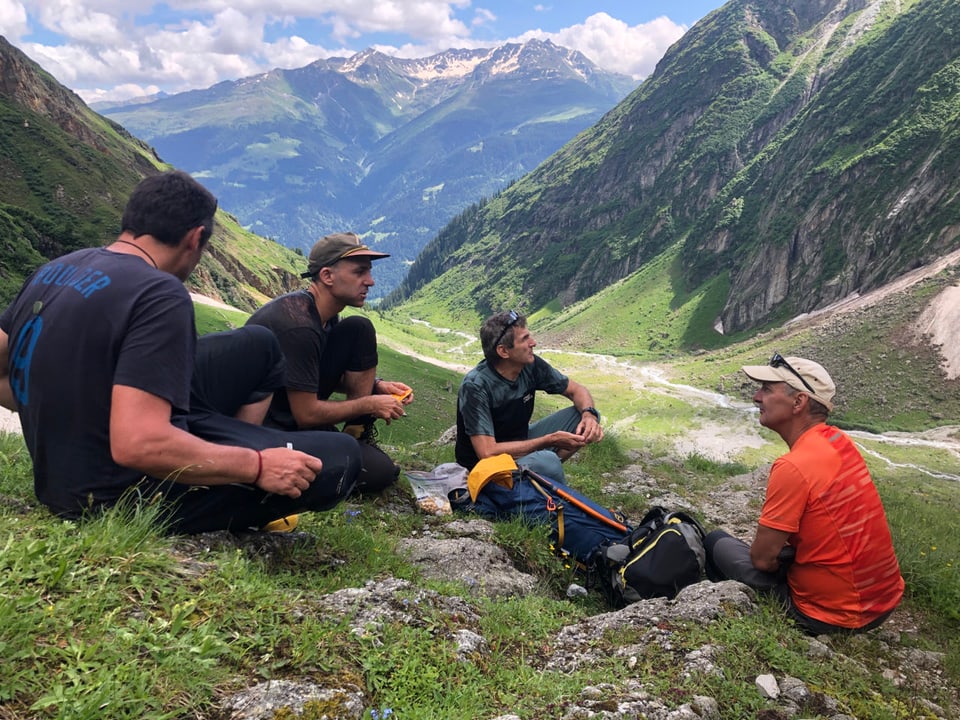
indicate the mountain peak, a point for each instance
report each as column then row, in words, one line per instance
column 460, row 63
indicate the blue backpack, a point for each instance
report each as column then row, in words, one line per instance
column 579, row 525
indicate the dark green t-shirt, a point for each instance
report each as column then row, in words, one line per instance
column 489, row 404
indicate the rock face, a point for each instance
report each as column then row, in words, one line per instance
column 797, row 152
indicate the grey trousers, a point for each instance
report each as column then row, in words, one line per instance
column 728, row 558
column 547, row 462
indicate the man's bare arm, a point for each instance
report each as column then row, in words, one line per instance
column 6, row 392
column 487, row 446
column 142, row 438
column 766, row 546
column 310, row 411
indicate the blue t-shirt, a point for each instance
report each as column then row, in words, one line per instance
column 489, row 404
column 80, row 325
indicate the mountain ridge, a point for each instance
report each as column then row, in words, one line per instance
column 65, row 174
column 390, row 148
column 706, row 153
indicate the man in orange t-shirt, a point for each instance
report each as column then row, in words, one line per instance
column 822, row 543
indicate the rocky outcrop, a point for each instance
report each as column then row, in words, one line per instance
column 464, row 551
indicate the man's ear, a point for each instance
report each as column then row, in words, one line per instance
column 192, row 238
column 502, row 351
column 325, row 276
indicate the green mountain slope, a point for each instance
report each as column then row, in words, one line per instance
column 794, row 152
column 65, row 173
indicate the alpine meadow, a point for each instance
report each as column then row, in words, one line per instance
column 786, row 181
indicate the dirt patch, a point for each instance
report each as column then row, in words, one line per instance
column 939, row 325
column 720, row 442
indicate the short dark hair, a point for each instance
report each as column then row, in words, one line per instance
column 498, row 330
column 167, row 206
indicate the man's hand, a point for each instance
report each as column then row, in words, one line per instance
column 399, row 390
column 562, row 440
column 287, row 472
column 385, row 407
column 589, row 428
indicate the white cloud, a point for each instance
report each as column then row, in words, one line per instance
column 109, row 48
column 295, row 52
column 118, row 93
column 353, row 18
column 483, row 16
column 614, row 45
column 13, row 19
column 237, row 33
column 79, row 22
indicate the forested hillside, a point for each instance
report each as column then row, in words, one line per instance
column 65, row 173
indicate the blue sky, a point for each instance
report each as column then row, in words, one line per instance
column 117, row 49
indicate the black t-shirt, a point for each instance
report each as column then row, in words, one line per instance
column 295, row 322
column 80, row 325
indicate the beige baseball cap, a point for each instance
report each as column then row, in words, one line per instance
column 799, row 373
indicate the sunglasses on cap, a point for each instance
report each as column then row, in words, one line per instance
column 779, row 361
column 512, row 318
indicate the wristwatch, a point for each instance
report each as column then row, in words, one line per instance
column 592, row 411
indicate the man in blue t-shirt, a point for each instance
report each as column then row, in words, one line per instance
column 117, row 397
column 496, row 398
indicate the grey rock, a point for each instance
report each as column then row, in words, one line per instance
column 701, row 662
column 391, row 600
column 816, row 648
column 767, row 686
column 264, row 701
column 794, row 690
column 706, row 707
column 482, row 566
column 575, row 644
column 469, row 644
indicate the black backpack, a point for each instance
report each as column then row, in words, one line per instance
column 662, row 554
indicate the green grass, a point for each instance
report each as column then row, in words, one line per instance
column 105, row 619
column 213, row 318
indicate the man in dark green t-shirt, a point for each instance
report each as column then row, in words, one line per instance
column 496, row 399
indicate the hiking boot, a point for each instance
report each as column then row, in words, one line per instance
column 282, row 525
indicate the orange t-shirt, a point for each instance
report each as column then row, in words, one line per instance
column 845, row 572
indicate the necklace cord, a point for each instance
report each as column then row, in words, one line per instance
column 149, row 256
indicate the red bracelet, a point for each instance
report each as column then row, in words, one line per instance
column 259, row 467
